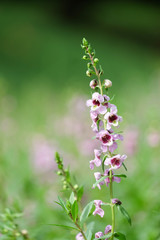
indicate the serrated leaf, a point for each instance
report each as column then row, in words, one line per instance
column 72, row 198
column 86, row 211
column 74, row 211
column 124, row 166
column 62, row 204
column 80, row 193
column 125, row 213
column 100, row 180
column 105, row 236
column 120, row 175
column 120, row 236
column 64, row 226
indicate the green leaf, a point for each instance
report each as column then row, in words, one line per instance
column 90, row 228
column 89, row 234
column 105, row 236
column 72, row 198
column 125, row 213
column 62, row 204
column 86, row 212
column 80, row 193
column 124, row 166
column 64, row 226
column 98, row 181
column 120, row 236
column 74, row 211
column 120, row 175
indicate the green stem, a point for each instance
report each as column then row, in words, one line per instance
column 112, row 205
column 97, row 73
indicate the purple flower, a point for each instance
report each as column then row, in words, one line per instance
column 96, row 103
column 108, row 229
column 112, row 117
column 98, row 234
column 105, row 137
column 79, row 236
column 98, row 209
column 116, row 201
column 97, row 161
column 116, row 161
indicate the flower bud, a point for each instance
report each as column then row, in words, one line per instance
column 76, row 186
column 107, row 83
column 84, row 41
column 116, row 201
column 59, row 173
column 85, row 57
column 96, row 60
column 88, row 73
column 93, row 83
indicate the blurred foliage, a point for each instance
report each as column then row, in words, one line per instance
column 43, row 89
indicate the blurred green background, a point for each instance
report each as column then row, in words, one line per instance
column 43, row 89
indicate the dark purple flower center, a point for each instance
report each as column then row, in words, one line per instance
column 106, row 138
column 96, row 102
column 106, row 104
column 112, row 118
column 115, row 161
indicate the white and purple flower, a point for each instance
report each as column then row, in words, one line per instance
column 115, row 161
column 96, row 103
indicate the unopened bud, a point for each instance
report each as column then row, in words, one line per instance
column 93, row 83
column 96, row 60
column 88, row 73
column 84, row 41
column 107, row 83
column 85, row 57
column 116, row 201
column 65, row 187
column 59, row 173
column 24, row 232
column 76, row 186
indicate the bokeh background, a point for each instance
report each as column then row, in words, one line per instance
column 43, row 89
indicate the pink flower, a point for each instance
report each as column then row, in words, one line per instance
column 98, row 234
column 98, row 209
column 93, row 83
column 96, row 103
column 107, row 230
column 116, row 161
column 98, row 175
column 112, row 117
column 105, row 137
column 97, row 161
column 79, row 236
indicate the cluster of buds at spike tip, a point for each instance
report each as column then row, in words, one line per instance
column 105, row 122
column 65, row 176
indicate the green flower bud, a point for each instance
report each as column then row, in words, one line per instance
column 65, row 183
column 88, row 73
column 107, row 83
column 85, row 57
column 59, row 173
column 60, row 166
column 89, row 65
column 84, row 41
column 65, row 187
column 96, row 60
column 76, row 186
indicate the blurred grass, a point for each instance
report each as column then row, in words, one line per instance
column 40, row 71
